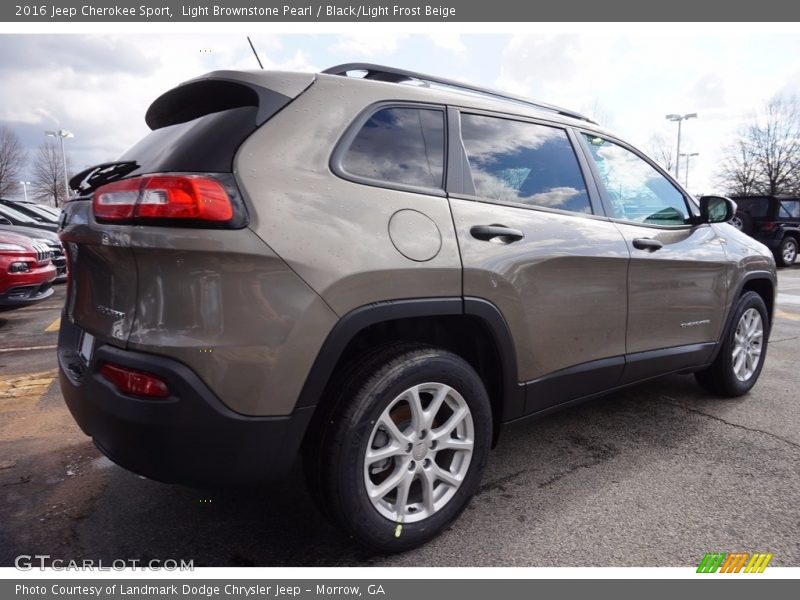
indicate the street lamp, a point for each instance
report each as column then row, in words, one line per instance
column 679, row 119
column 61, row 134
column 688, row 156
column 25, row 185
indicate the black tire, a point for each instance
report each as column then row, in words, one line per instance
column 720, row 378
column 788, row 246
column 334, row 459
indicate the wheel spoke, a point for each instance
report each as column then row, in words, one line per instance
column 454, row 444
column 417, row 414
column 389, row 483
column 445, row 475
column 388, row 451
column 435, row 406
column 402, row 495
column 391, row 428
column 452, row 422
column 427, row 479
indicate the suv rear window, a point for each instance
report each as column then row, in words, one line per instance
column 400, row 145
column 790, row 209
column 755, row 207
column 525, row 163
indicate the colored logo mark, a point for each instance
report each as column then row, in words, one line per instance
column 734, row 562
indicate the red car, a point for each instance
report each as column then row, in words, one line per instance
column 26, row 271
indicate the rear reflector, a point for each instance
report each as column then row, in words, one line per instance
column 135, row 383
column 163, row 197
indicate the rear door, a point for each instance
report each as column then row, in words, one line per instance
column 534, row 243
column 677, row 282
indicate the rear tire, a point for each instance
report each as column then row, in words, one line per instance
column 385, row 464
column 787, row 252
column 740, row 360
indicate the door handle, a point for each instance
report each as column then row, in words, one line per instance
column 501, row 233
column 647, row 244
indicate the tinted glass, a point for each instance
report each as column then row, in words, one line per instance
column 790, row 209
column 15, row 215
column 637, row 191
column 400, row 145
column 513, row 161
column 755, row 207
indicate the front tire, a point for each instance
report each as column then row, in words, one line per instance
column 740, row 360
column 404, row 447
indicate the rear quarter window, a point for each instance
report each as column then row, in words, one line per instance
column 397, row 146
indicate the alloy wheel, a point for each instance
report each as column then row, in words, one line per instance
column 419, row 452
column 748, row 344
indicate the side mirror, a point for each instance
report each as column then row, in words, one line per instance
column 4, row 221
column 716, row 209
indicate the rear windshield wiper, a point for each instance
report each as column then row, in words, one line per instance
column 92, row 178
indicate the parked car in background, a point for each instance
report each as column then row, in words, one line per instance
column 772, row 220
column 48, row 238
column 35, row 211
column 12, row 216
column 26, row 271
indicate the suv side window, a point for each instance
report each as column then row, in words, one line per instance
column 400, row 145
column 790, row 209
column 636, row 190
column 526, row 163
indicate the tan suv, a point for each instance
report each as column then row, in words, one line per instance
column 376, row 269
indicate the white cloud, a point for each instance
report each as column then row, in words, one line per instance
column 368, row 44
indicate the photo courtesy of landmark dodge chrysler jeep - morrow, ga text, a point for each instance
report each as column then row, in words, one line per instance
column 376, row 277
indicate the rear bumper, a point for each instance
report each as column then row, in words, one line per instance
column 190, row 437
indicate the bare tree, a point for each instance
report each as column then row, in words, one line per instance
column 662, row 152
column 48, row 173
column 766, row 157
column 739, row 170
column 12, row 160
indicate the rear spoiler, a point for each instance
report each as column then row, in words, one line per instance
column 268, row 91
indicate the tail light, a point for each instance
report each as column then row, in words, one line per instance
column 173, row 197
column 768, row 226
column 134, row 383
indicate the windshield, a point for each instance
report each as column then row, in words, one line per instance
column 45, row 214
column 15, row 215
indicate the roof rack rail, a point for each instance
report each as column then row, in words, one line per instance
column 393, row 75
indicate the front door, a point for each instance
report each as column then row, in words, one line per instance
column 677, row 281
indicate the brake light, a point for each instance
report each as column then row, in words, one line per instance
column 163, row 197
column 135, row 383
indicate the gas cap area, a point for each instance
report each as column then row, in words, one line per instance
column 415, row 235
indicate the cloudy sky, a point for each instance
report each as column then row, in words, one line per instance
column 99, row 87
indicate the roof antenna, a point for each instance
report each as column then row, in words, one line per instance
column 253, row 48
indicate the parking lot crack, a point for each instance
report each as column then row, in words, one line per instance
column 737, row 425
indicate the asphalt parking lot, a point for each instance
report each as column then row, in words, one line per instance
column 655, row 476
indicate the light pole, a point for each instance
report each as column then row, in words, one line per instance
column 61, row 134
column 680, row 119
column 688, row 156
column 25, row 185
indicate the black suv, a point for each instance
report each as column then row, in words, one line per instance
column 772, row 220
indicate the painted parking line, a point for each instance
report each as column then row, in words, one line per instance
column 29, row 348
column 30, row 386
column 784, row 315
column 54, row 325
column 788, row 299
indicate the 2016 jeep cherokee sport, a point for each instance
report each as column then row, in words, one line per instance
column 377, row 276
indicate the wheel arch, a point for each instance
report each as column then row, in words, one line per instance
column 473, row 328
column 762, row 283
